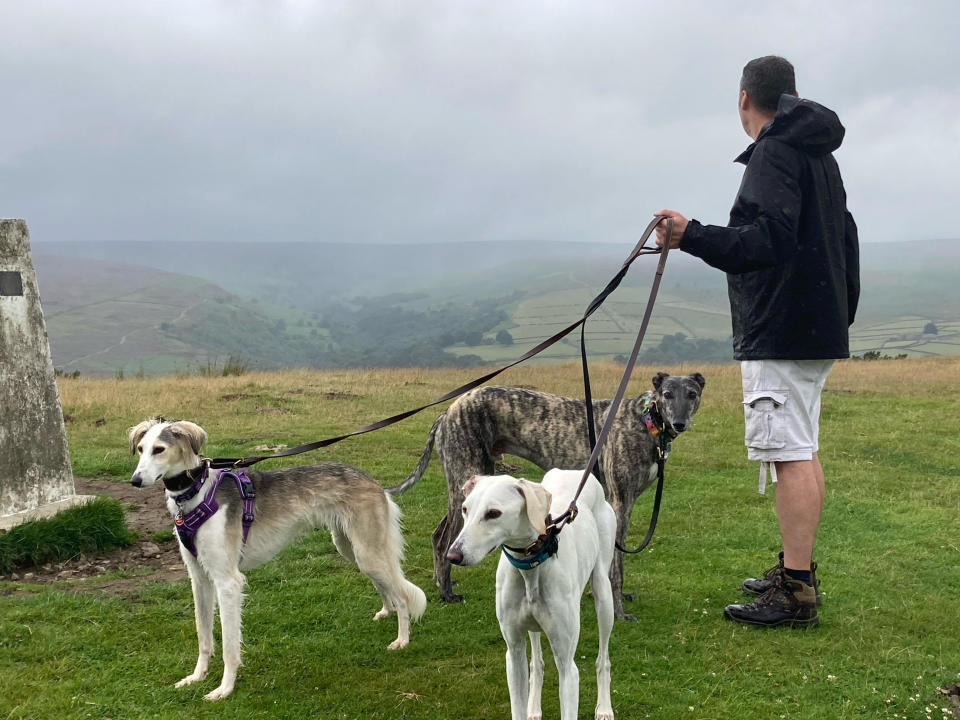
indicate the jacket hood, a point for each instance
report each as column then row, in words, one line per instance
column 804, row 124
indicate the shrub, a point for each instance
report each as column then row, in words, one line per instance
column 96, row 525
column 235, row 365
column 877, row 355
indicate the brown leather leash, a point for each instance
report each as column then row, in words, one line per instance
column 638, row 250
column 554, row 526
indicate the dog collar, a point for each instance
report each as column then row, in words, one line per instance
column 186, row 481
column 541, row 550
column 656, row 426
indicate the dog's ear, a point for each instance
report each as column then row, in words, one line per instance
column 698, row 379
column 469, row 485
column 658, row 379
column 194, row 434
column 538, row 500
column 136, row 433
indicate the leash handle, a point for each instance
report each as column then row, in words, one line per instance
column 638, row 250
column 571, row 512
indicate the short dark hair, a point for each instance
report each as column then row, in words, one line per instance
column 766, row 79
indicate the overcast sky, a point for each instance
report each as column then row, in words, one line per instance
column 437, row 121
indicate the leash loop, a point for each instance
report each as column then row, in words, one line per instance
column 661, row 462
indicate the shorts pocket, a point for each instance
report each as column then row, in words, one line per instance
column 765, row 421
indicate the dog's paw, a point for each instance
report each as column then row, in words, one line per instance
column 627, row 617
column 190, row 679
column 381, row 614
column 451, row 597
column 397, row 644
column 627, row 597
column 538, row 716
column 218, row 694
column 603, row 715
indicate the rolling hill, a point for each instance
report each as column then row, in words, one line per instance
column 127, row 307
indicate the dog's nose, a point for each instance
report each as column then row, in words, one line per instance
column 454, row 556
column 136, row 480
column 679, row 427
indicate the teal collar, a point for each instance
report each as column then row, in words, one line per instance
column 544, row 548
column 526, row 563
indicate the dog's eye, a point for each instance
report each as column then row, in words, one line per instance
column 691, row 395
column 668, row 395
column 158, row 450
column 492, row 515
column 464, row 510
column 140, row 450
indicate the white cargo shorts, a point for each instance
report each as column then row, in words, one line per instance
column 781, row 406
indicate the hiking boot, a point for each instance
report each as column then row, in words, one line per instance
column 758, row 586
column 787, row 602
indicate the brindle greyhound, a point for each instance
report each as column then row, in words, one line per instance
column 550, row 431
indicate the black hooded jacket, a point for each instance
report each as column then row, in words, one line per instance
column 790, row 251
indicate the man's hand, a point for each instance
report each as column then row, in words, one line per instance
column 679, row 228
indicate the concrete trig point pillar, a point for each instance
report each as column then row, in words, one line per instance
column 35, row 475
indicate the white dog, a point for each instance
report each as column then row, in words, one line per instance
column 228, row 522
column 510, row 514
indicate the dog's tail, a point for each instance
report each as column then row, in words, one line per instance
column 416, row 599
column 415, row 476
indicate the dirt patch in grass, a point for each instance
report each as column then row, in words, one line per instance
column 500, row 467
column 273, row 411
column 341, row 395
column 146, row 559
column 951, row 694
column 230, row 397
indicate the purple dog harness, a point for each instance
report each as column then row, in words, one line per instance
column 188, row 524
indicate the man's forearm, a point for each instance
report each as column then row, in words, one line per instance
column 737, row 249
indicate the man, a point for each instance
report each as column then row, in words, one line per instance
column 791, row 256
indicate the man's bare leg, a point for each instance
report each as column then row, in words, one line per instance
column 801, row 489
column 821, row 480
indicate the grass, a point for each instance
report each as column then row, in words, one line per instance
column 888, row 550
column 96, row 525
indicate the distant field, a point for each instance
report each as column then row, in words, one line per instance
column 610, row 331
column 905, row 335
column 888, row 550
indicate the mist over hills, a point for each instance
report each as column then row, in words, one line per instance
column 310, row 274
column 174, row 307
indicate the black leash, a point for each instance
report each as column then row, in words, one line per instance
column 661, row 463
column 571, row 512
column 638, row 250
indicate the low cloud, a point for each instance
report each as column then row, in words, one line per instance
column 436, row 121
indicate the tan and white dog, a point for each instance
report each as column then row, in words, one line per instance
column 502, row 512
column 363, row 520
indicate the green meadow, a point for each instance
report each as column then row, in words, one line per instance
column 889, row 556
